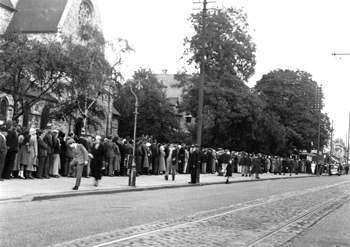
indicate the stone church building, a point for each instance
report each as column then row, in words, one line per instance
column 51, row 19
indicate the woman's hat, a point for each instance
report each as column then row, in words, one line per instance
column 32, row 131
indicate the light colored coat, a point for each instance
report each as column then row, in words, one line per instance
column 80, row 154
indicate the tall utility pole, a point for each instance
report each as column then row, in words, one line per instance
column 347, row 154
column 331, row 143
column 348, row 137
column 201, row 78
column 318, row 107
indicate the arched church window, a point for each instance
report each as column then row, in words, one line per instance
column 3, row 108
column 85, row 13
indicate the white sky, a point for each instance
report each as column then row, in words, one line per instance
column 293, row 34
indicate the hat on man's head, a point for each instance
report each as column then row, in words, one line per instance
column 98, row 137
column 71, row 141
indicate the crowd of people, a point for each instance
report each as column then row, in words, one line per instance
column 45, row 154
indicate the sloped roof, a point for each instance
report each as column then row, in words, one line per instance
column 169, row 81
column 34, row 16
column 7, row 4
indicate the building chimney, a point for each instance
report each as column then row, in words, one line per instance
column 164, row 71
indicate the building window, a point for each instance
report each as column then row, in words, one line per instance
column 3, row 109
column 188, row 119
column 85, row 13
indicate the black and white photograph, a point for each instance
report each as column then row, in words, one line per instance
column 188, row 123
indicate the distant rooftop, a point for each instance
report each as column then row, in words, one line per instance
column 169, row 81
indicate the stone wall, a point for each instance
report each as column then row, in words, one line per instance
column 5, row 17
column 70, row 25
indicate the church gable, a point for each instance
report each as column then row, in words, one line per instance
column 37, row 16
column 78, row 13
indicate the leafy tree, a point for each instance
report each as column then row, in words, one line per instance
column 90, row 75
column 291, row 95
column 230, row 61
column 30, row 70
column 156, row 116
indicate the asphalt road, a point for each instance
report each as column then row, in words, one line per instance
column 45, row 223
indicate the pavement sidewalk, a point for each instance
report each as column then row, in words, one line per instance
column 42, row 189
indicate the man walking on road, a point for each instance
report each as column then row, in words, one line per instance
column 80, row 160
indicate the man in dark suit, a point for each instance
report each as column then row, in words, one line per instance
column 155, row 157
column 42, row 154
column 49, row 157
column 194, row 163
column 3, row 148
column 182, row 158
column 12, row 143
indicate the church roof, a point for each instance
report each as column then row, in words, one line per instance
column 37, row 16
column 6, row 4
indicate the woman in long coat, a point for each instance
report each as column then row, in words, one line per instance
column 162, row 167
column 23, row 154
column 97, row 156
column 30, row 158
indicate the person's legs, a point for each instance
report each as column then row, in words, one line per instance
column 9, row 165
column 2, row 161
column 80, row 168
column 72, row 168
column 168, row 167
column 40, row 171
column 173, row 171
column 185, row 168
column 110, row 167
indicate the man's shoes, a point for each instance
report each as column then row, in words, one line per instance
column 1, row 179
column 257, row 178
column 47, row 177
column 75, row 188
column 39, row 177
column 191, row 183
column 166, row 177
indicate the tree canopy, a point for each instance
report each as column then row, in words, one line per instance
column 30, row 70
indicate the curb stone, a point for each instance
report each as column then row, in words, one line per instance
column 138, row 189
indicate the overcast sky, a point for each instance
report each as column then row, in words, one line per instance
column 293, row 34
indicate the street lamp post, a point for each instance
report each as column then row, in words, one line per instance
column 132, row 173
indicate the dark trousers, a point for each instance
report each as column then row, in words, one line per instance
column 48, row 164
column 2, row 160
column 110, row 165
column 9, row 164
column 66, row 166
column 155, row 166
column 193, row 175
column 41, row 166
